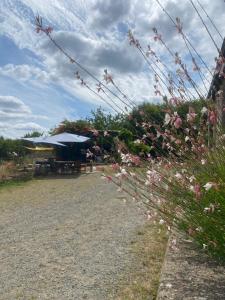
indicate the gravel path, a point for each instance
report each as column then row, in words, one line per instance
column 66, row 238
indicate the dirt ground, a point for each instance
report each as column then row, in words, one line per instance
column 66, row 238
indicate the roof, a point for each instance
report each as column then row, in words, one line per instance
column 58, row 139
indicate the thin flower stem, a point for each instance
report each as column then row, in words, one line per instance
column 84, row 69
column 186, row 37
column 206, row 27
column 211, row 21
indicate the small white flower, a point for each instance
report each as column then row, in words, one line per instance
column 187, row 138
column 203, row 161
column 178, row 175
column 192, row 178
column 161, row 221
column 137, row 141
column 204, row 110
column 208, row 186
column 123, row 171
column 167, row 119
column 192, row 188
column 204, row 246
column 199, row 229
column 206, row 209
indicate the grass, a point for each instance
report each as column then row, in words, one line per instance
column 14, row 182
column 149, row 250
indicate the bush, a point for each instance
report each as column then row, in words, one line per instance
column 11, row 149
column 185, row 188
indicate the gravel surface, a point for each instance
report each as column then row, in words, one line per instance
column 65, row 238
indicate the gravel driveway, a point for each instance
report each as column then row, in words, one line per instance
column 65, row 238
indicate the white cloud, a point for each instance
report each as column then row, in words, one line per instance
column 24, row 72
column 30, row 126
column 89, row 31
column 106, row 13
column 15, row 115
column 13, row 105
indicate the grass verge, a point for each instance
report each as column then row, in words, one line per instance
column 14, row 182
column 149, row 250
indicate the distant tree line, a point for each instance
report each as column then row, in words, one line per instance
column 129, row 128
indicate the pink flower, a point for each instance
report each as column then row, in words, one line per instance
column 212, row 117
column 48, row 30
column 191, row 117
column 197, row 190
column 109, row 178
column 177, row 123
column 115, row 167
column 95, row 132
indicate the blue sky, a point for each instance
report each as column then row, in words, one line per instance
column 37, row 85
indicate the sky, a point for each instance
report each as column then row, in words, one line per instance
column 38, row 88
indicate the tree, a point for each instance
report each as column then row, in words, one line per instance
column 33, row 134
column 102, row 121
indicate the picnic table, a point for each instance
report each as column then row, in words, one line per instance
column 44, row 167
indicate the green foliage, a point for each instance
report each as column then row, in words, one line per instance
column 198, row 207
column 139, row 149
column 11, row 149
column 102, row 121
column 33, row 134
column 126, row 136
column 77, row 126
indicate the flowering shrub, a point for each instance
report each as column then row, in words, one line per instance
column 184, row 190
column 180, row 157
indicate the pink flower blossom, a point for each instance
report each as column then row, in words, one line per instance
column 197, row 190
column 115, row 167
column 191, row 117
column 109, row 178
column 177, row 123
column 212, row 117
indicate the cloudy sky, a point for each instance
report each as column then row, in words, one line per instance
column 37, row 84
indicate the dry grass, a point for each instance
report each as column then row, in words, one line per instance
column 6, row 170
column 149, row 250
